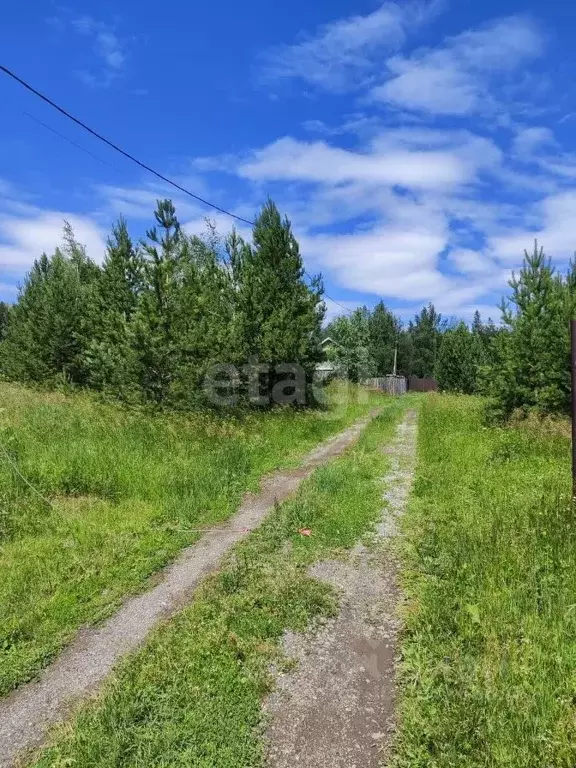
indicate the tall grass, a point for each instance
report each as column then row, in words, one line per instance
column 125, row 489
column 192, row 696
column 489, row 655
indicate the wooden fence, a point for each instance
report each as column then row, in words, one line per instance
column 415, row 384
column 393, row 385
column 399, row 385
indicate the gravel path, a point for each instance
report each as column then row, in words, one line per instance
column 28, row 713
column 337, row 709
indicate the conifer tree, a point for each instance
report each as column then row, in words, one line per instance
column 425, row 330
column 110, row 355
column 384, row 329
column 154, row 322
column 5, row 310
column 532, row 357
column 47, row 336
column 477, row 325
column 279, row 316
column 204, row 324
column 458, row 360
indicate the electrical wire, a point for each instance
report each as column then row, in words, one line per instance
column 117, row 148
column 129, row 156
column 62, row 136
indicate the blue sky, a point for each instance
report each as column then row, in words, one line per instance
column 418, row 147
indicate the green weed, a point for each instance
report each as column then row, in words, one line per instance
column 489, row 655
column 125, row 490
column 192, row 696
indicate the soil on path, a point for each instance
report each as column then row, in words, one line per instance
column 337, row 709
column 27, row 714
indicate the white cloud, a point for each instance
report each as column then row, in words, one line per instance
column 288, row 158
column 25, row 238
column 528, row 140
column 470, row 262
column 537, row 146
column 139, row 202
column 555, row 231
column 473, row 153
column 429, row 86
column 109, row 48
column 395, row 201
column 385, row 261
column 340, row 53
column 454, row 78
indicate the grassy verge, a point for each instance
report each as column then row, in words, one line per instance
column 193, row 695
column 489, row 671
column 125, row 488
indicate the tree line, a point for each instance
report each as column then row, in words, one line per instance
column 521, row 363
column 158, row 315
column 372, row 343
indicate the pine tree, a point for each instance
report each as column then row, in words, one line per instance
column 204, row 317
column 384, row 329
column 532, row 356
column 458, row 359
column 477, row 325
column 110, row 355
column 5, row 310
column 485, row 334
column 279, row 317
column 154, row 322
column 48, row 332
column 425, row 329
column 87, row 270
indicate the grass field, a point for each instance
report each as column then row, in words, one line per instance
column 488, row 671
column 489, row 655
column 125, row 490
column 192, row 696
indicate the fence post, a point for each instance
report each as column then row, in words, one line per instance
column 573, row 376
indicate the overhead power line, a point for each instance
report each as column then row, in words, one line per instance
column 66, row 138
column 129, row 156
column 117, row 148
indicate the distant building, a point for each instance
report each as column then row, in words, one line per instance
column 326, row 368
